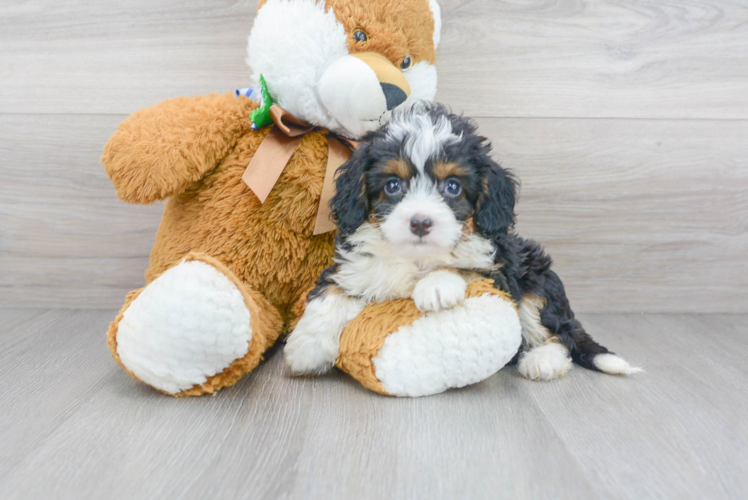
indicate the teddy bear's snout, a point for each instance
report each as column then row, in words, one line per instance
column 360, row 90
column 394, row 95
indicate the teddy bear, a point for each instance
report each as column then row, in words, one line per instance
column 246, row 229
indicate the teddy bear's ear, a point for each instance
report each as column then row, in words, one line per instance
column 350, row 205
column 437, row 12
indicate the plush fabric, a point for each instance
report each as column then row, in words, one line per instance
column 264, row 322
column 193, row 152
column 269, row 246
column 474, row 344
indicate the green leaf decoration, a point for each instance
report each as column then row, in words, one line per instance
column 261, row 116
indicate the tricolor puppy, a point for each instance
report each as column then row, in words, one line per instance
column 422, row 209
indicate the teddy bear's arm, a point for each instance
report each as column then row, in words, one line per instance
column 161, row 150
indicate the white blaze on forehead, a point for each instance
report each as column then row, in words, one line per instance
column 424, row 136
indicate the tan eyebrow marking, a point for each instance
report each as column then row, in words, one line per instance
column 398, row 168
column 443, row 170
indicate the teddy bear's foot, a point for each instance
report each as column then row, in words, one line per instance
column 395, row 349
column 194, row 329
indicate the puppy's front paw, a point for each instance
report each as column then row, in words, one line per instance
column 307, row 353
column 439, row 290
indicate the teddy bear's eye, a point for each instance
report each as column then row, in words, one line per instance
column 360, row 36
column 406, row 63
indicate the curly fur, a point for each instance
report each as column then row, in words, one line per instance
column 192, row 152
column 414, row 149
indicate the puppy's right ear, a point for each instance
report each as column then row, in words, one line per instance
column 350, row 205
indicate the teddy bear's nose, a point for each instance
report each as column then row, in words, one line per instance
column 395, row 95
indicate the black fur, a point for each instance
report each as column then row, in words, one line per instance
column 349, row 205
column 324, row 282
column 490, row 192
column 526, row 270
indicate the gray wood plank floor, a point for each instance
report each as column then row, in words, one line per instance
column 73, row 425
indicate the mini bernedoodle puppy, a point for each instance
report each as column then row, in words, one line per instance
column 421, row 209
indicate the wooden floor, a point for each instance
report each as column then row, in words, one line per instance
column 73, row 425
column 626, row 122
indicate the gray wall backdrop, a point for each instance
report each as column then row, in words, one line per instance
column 627, row 122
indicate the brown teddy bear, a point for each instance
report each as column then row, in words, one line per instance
column 245, row 231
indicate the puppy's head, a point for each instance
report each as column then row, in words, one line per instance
column 424, row 180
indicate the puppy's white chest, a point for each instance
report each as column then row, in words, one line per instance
column 377, row 278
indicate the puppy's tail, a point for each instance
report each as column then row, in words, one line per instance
column 589, row 354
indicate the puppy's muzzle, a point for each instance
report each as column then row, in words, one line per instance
column 420, row 225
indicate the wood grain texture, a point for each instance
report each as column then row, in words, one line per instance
column 577, row 58
column 644, row 214
column 74, row 425
column 65, row 238
column 596, row 58
column 638, row 215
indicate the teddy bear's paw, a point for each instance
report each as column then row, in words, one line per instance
column 188, row 325
column 548, row 361
column 450, row 348
column 439, row 290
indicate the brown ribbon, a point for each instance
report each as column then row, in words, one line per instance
column 276, row 150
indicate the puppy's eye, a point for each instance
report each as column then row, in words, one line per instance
column 360, row 36
column 453, row 188
column 393, row 187
column 406, row 63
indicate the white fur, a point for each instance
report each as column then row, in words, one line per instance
column 376, row 271
column 299, row 46
column 439, row 290
column 422, row 79
column 351, row 92
column 292, row 43
column 533, row 332
column 437, row 12
column 422, row 199
column 189, row 324
column 614, row 365
column 451, row 348
column 313, row 345
column 424, row 138
column 545, row 362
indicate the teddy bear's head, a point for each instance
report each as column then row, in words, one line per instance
column 346, row 64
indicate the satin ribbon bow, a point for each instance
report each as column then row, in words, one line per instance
column 276, row 150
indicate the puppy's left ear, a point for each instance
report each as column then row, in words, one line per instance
column 350, row 204
column 494, row 212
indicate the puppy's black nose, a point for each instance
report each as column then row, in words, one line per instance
column 420, row 226
column 394, row 95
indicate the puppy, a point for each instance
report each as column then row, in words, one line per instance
column 421, row 209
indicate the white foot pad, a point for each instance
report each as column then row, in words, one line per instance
column 545, row 362
column 189, row 324
column 451, row 348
